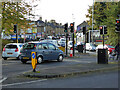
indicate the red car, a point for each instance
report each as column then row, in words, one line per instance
column 109, row 47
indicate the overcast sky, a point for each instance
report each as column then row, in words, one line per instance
column 63, row 11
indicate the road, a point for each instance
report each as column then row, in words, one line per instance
column 13, row 67
column 94, row 80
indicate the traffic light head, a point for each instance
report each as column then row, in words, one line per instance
column 66, row 27
column 105, row 29
column 117, row 25
column 101, row 29
column 15, row 28
column 72, row 27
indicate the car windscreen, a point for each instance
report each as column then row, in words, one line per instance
column 11, row 46
column 109, row 46
column 29, row 46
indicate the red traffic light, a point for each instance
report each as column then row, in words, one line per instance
column 71, row 24
column 101, row 27
column 118, row 21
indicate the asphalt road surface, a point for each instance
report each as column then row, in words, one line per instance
column 93, row 80
column 13, row 67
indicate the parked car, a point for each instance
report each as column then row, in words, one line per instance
column 55, row 42
column 106, row 46
column 70, row 45
column 44, row 51
column 90, row 47
column 11, row 50
column 62, row 42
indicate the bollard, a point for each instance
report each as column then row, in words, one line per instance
column 34, row 60
column 71, row 52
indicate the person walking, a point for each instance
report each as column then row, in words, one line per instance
column 117, row 50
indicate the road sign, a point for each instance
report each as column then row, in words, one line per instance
column 34, row 60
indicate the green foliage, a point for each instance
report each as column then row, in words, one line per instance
column 13, row 13
column 105, row 13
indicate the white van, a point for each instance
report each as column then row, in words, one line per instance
column 90, row 47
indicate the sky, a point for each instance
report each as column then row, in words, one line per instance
column 63, row 11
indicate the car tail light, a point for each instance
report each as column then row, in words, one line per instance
column 16, row 50
column 3, row 49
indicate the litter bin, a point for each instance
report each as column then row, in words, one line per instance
column 80, row 48
column 102, row 56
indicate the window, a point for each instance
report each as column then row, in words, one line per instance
column 29, row 46
column 44, row 46
column 40, row 46
column 11, row 46
column 52, row 47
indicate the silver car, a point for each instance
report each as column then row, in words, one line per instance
column 11, row 50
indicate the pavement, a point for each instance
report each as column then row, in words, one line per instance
column 73, row 69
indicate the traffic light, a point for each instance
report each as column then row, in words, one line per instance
column 101, row 29
column 84, row 30
column 72, row 27
column 117, row 25
column 15, row 28
column 105, row 29
column 66, row 27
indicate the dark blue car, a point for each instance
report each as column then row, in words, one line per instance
column 44, row 51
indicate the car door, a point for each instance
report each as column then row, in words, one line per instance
column 53, row 52
column 44, row 51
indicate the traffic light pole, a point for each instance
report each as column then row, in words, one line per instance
column 73, row 45
column 17, row 25
column 66, row 44
column 85, row 43
column 103, row 37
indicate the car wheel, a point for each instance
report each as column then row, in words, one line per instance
column 5, row 58
column 39, row 59
column 60, row 58
column 23, row 61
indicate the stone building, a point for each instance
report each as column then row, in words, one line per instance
column 48, row 28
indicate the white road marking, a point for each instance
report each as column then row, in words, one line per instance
column 3, row 79
column 23, row 83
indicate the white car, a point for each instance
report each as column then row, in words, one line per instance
column 62, row 42
column 70, row 45
column 11, row 50
column 55, row 42
column 90, row 47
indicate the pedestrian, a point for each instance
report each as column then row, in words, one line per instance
column 117, row 50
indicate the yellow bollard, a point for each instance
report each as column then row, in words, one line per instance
column 34, row 60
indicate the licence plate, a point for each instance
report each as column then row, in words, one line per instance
column 25, row 57
column 9, row 53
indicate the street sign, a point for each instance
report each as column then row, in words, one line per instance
column 34, row 60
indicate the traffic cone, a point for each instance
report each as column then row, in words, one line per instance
column 71, row 52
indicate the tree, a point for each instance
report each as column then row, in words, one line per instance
column 105, row 13
column 13, row 13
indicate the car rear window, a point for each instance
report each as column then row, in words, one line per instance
column 29, row 46
column 11, row 46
